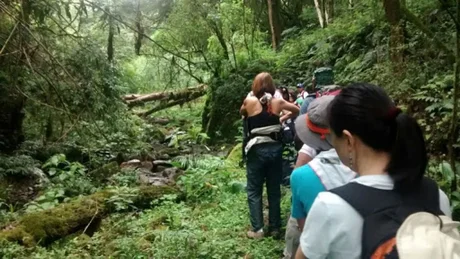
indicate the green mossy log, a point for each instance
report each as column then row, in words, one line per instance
column 236, row 154
column 46, row 226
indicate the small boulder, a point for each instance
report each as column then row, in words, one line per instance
column 164, row 156
column 105, row 171
column 172, row 173
column 160, row 165
column 162, row 162
column 131, row 163
column 153, row 179
column 147, row 165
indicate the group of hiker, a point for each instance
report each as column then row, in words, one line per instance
column 358, row 187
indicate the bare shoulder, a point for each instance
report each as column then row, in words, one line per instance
column 277, row 101
column 250, row 101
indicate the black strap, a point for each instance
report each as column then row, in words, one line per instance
column 368, row 200
column 245, row 138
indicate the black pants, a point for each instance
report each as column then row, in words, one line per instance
column 264, row 164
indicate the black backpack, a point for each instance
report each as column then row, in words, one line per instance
column 384, row 211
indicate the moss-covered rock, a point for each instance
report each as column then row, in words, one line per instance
column 46, row 226
column 236, row 154
column 105, row 171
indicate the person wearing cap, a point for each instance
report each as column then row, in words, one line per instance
column 302, row 94
column 323, row 79
column 322, row 173
column 301, row 89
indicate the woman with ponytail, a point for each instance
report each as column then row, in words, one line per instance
column 386, row 148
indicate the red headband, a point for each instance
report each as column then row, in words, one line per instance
column 322, row 131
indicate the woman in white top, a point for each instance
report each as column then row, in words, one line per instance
column 386, row 148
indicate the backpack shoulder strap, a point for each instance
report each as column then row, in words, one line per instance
column 426, row 197
column 362, row 198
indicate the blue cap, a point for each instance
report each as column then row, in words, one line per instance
column 299, row 85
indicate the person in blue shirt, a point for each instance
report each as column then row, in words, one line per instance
column 322, row 78
column 323, row 172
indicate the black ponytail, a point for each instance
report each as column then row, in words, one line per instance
column 408, row 154
column 367, row 111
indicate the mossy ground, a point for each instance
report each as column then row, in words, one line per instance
column 213, row 228
column 44, row 227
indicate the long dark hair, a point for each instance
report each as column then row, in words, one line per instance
column 365, row 110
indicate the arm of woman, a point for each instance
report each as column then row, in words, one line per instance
column 243, row 110
column 285, row 117
column 292, row 108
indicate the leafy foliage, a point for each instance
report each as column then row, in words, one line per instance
column 68, row 179
column 17, row 165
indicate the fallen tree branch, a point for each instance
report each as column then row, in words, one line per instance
column 166, row 105
column 160, row 107
column 134, row 100
column 130, row 97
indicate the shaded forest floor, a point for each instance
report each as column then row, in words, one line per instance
column 210, row 223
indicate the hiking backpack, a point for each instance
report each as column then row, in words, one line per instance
column 390, row 217
column 426, row 236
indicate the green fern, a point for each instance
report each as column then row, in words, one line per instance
column 17, row 165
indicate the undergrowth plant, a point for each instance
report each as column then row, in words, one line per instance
column 67, row 179
column 442, row 173
column 202, row 178
column 21, row 165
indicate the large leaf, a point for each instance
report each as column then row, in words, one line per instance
column 55, row 160
column 446, row 171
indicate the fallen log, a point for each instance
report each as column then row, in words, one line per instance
column 163, row 105
column 44, row 227
column 131, row 96
column 134, row 100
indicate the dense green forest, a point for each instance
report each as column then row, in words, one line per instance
column 119, row 124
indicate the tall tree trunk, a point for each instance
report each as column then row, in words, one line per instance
column 140, row 30
column 11, row 118
column 394, row 16
column 319, row 11
column 275, row 22
column 453, row 125
column 329, row 10
column 110, row 38
column 11, row 100
column 245, row 39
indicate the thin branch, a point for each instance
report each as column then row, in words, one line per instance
column 9, row 37
column 189, row 71
column 410, row 17
column 141, row 33
column 446, row 8
column 50, row 84
column 91, row 221
column 26, row 26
